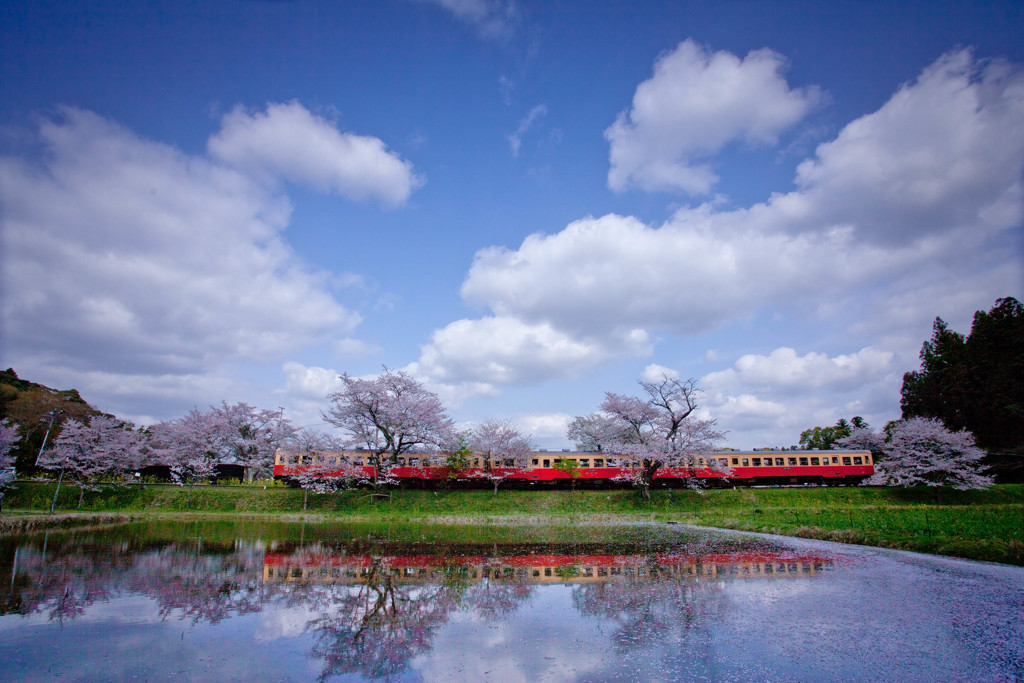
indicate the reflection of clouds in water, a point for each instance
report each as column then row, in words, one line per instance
column 280, row 621
column 229, row 610
column 768, row 592
column 548, row 640
column 134, row 609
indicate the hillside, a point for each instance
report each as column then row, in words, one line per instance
column 27, row 404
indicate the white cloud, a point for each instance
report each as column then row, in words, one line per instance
column 695, row 103
column 769, row 399
column 515, row 140
column 545, row 428
column 785, row 372
column 502, row 350
column 492, row 18
column 287, row 141
column 945, row 152
column 310, row 382
column 561, row 304
column 143, row 271
column 600, row 275
column 656, row 373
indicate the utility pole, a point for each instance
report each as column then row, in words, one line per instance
column 51, row 416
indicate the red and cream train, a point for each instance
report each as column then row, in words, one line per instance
column 740, row 468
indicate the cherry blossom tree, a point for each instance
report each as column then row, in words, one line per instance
column 8, row 437
column 595, row 432
column 659, row 429
column 922, row 452
column 389, row 415
column 104, row 448
column 504, row 449
column 250, row 436
column 189, row 445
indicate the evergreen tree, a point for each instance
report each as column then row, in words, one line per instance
column 976, row 383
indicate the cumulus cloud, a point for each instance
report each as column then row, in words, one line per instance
column 547, row 427
column 784, row 371
column 656, row 373
column 600, row 275
column 602, row 280
column 501, row 350
column 945, row 152
column 695, row 103
column 288, row 141
column 771, row 397
column 310, row 382
column 127, row 259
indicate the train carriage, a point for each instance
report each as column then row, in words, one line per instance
column 548, row 468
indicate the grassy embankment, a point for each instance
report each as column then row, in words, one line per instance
column 985, row 525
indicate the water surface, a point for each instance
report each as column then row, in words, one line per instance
column 233, row 601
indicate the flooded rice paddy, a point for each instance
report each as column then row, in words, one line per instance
column 244, row 601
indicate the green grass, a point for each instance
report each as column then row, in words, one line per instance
column 984, row 525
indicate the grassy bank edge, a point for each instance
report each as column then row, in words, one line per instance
column 985, row 525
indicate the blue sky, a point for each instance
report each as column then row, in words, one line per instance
column 523, row 204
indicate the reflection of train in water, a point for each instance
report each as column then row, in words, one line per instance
column 725, row 468
column 552, row 568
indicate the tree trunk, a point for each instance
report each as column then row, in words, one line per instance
column 81, row 494
column 305, row 498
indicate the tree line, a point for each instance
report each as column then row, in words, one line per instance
column 968, row 397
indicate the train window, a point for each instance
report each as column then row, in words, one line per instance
column 414, row 462
column 757, row 462
column 780, row 461
column 857, row 460
column 476, row 462
column 510, row 462
column 585, row 462
column 867, row 459
column 547, row 463
column 846, row 460
column 791, row 461
column 735, row 461
column 815, row 461
column 803, row 461
column 745, row 462
column 598, row 462
column 536, row 462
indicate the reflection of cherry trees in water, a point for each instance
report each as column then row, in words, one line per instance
column 656, row 607
column 496, row 598
column 62, row 579
column 374, row 605
column 201, row 587
column 46, row 579
column 377, row 626
column 375, row 613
